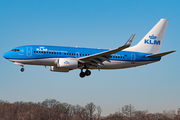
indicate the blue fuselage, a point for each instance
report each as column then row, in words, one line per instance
column 33, row 54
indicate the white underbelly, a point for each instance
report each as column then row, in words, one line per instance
column 44, row 61
column 114, row 64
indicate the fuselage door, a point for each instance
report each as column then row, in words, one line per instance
column 133, row 58
column 29, row 51
column 77, row 54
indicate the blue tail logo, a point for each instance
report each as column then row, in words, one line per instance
column 152, row 37
column 152, row 40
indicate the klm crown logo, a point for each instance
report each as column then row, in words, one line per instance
column 41, row 49
column 66, row 63
column 152, row 37
column 152, row 40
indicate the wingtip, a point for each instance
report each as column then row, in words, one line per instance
column 128, row 43
column 173, row 51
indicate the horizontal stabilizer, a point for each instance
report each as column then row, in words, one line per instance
column 159, row 54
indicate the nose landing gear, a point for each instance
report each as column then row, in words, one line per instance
column 22, row 69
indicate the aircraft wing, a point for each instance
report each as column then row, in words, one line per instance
column 98, row 58
column 159, row 54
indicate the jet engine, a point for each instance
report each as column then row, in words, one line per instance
column 69, row 63
column 64, row 65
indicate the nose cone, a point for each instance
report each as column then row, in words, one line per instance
column 5, row 55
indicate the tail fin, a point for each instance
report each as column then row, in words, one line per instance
column 152, row 40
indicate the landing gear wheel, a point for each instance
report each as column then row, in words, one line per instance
column 87, row 72
column 22, row 69
column 82, row 74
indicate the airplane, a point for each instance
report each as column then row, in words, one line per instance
column 64, row 59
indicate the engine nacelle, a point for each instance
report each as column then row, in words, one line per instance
column 58, row 69
column 69, row 63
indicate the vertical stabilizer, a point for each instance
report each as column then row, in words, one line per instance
column 152, row 40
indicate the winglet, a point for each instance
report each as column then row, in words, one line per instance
column 128, row 43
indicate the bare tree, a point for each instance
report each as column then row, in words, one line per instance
column 64, row 108
column 77, row 109
column 63, row 111
column 178, row 111
column 99, row 110
column 90, row 108
column 170, row 113
column 49, row 103
column 140, row 114
column 128, row 110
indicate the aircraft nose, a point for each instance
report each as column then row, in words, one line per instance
column 5, row 55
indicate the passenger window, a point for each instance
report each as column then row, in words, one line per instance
column 69, row 53
column 39, row 51
column 47, row 52
column 80, row 54
column 36, row 51
column 44, row 52
column 65, row 53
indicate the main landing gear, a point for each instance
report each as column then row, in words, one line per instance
column 86, row 73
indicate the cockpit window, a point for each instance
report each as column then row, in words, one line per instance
column 16, row 50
